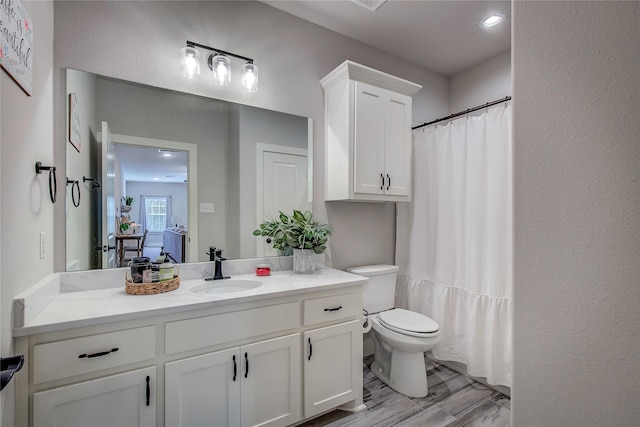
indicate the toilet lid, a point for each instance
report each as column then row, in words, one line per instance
column 408, row 322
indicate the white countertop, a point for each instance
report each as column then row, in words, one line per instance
column 67, row 310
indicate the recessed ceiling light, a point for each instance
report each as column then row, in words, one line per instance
column 492, row 21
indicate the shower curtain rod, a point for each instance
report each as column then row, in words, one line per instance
column 462, row 113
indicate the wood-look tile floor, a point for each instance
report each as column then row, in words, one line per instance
column 454, row 400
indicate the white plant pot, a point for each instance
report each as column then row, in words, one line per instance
column 303, row 261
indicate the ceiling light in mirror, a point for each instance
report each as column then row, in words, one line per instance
column 492, row 21
column 189, row 62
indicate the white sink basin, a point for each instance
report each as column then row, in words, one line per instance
column 225, row 286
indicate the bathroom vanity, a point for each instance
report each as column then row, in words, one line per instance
column 271, row 354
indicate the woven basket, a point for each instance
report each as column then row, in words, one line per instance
column 151, row 288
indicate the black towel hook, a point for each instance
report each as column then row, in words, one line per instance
column 94, row 182
column 53, row 181
column 75, row 185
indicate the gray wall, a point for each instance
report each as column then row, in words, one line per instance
column 576, row 214
column 27, row 136
column 89, row 35
column 480, row 84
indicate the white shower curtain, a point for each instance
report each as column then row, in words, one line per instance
column 454, row 241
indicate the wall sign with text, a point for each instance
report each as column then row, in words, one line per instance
column 16, row 42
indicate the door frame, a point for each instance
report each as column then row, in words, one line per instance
column 192, row 179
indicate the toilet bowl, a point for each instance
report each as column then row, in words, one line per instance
column 399, row 353
column 400, row 337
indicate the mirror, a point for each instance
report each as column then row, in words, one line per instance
column 240, row 165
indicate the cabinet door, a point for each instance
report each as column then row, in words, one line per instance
column 332, row 366
column 126, row 399
column 368, row 156
column 271, row 382
column 203, row 390
column 397, row 148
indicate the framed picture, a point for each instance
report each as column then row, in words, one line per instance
column 75, row 137
column 16, row 43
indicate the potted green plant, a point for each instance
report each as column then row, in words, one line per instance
column 124, row 227
column 299, row 232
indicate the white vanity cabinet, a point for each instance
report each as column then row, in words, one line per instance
column 332, row 371
column 333, row 354
column 267, row 361
column 367, row 135
column 254, row 385
column 126, row 399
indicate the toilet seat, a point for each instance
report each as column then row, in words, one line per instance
column 408, row 323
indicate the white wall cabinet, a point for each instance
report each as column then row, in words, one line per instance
column 332, row 370
column 367, row 135
column 126, row 399
column 254, row 385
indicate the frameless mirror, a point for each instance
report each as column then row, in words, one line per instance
column 182, row 171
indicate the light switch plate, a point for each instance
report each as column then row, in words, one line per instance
column 206, row 207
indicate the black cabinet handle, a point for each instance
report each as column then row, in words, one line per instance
column 382, row 186
column 246, row 365
column 334, row 308
column 310, row 349
column 235, row 368
column 148, row 390
column 102, row 353
column 388, row 182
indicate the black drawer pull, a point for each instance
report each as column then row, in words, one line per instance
column 388, row 182
column 148, row 391
column 102, row 353
column 310, row 349
column 334, row 308
column 382, row 186
column 246, row 365
column 235, row 368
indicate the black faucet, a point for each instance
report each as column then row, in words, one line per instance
column 215, row 255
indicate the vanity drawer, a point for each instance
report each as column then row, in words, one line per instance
column 206, row 331
column 61, row 359
column 332, row 308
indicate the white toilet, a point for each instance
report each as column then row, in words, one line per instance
column 400, row 336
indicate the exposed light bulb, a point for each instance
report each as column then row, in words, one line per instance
column 221, row 70
column 250, row 77
column 189, row 62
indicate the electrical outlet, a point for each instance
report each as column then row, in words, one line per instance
column 206, row 207
column 43, row 244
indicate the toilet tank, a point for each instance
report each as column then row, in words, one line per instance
column 380, row 293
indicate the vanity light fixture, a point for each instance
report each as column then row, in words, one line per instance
column 492, row 20
column 189, row 61
column 219, row 63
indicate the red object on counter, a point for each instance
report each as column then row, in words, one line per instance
column 263, row 270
